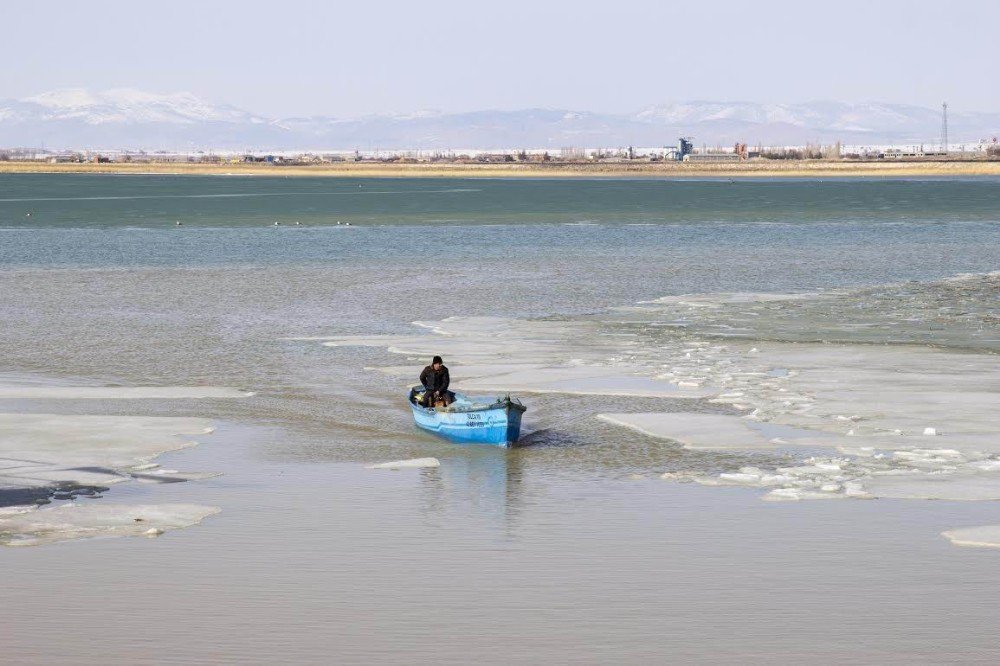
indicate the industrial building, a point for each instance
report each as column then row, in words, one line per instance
column 711, row 157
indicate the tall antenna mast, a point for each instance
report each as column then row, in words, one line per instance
column 944, row 127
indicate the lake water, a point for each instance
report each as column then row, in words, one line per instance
column 840, row 319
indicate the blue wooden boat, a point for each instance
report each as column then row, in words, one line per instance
column 471, row 421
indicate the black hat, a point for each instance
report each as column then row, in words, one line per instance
column 436, row 359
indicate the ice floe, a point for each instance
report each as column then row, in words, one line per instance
column 879, row 405
column 10, row 391
column 716, row 431
column 38, row 450
column 960, row 484
column 74, row 456
column 581, row 380
column 414, row 462
column 37, row 526
column 717, row 300
column 525, row 356
column 986, row 536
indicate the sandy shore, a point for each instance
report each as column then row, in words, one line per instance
column 789, row 169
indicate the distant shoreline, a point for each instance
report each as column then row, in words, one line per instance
column 753, row 169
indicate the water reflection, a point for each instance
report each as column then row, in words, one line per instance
column 484, row 481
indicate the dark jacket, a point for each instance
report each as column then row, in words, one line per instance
column 435, row 380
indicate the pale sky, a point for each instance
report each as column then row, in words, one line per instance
column 298, row 57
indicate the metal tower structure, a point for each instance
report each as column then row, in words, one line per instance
column 944, row 127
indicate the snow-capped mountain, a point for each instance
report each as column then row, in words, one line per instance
column 823, row 115
column 125, row 105
column 126, row 118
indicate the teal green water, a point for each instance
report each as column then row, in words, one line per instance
column 109, row 201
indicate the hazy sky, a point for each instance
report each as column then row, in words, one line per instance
column 298, row 57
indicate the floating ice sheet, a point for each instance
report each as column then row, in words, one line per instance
column 48, row 447
column 986, row 536
column 910, row 474
column 169, row 476
column 962, row 484
column 716, row 431
column 414, row 462
column 720, row 299
column 37, row 526
column 580, row 380
column 530, row 357
column 566, row 379
column 8, row 391
column 70, row 455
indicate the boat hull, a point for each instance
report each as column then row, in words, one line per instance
column 496, row 426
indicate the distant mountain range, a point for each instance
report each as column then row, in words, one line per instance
column 133, row 119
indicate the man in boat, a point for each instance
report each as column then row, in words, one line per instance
column 435, row 379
